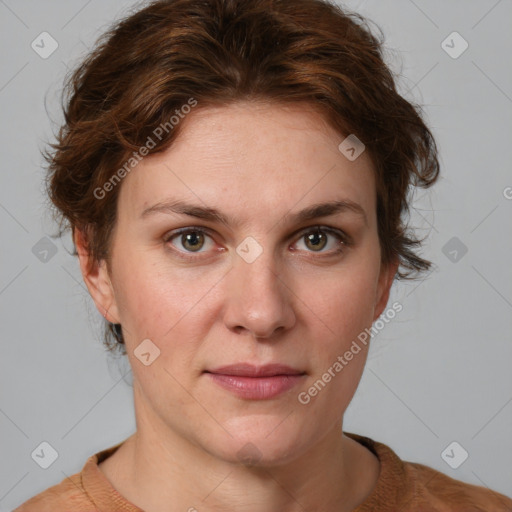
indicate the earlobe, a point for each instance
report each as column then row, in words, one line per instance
column 96, row 278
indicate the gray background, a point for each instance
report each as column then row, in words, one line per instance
column 440, row 372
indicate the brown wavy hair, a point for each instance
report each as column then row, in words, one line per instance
column 150, row 63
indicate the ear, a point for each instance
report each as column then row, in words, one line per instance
column 386, row 278
column 97, row 280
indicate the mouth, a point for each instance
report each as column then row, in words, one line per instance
column 256, row 382
column 249, row 370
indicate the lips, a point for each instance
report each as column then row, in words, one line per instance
column 249, row 370
column 251, row 382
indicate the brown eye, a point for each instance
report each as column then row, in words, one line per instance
column 193, row 240
column 316, row 240
column 188, row 240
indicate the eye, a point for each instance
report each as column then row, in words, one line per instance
column 190, row 239
column 317, row 238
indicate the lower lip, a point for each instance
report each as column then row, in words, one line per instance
column 256, row 388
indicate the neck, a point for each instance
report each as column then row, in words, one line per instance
column 161, row 470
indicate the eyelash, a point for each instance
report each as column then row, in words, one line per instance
column 342, row 237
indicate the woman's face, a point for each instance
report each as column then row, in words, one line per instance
column 262, row 287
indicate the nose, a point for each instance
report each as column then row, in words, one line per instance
column 258, row 298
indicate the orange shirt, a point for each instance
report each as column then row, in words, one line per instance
column 401, row 487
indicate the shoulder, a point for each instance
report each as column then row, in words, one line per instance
column 436, row 489
column 67, row 495
column 85, row 491
column 413, row 487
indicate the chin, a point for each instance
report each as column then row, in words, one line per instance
column 265, row 441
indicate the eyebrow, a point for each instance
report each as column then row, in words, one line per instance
column 211, row 214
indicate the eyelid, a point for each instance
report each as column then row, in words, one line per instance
column 305, row 229
column 175, row 232
column 347, row 240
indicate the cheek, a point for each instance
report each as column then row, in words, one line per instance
column 152, row 297
column 343, row 302
column 339, row 312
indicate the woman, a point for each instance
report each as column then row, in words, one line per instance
column 234, row 173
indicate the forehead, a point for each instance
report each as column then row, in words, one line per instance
column 246, row 129
column 253, row 157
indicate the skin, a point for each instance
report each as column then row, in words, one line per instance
column 298, row 303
